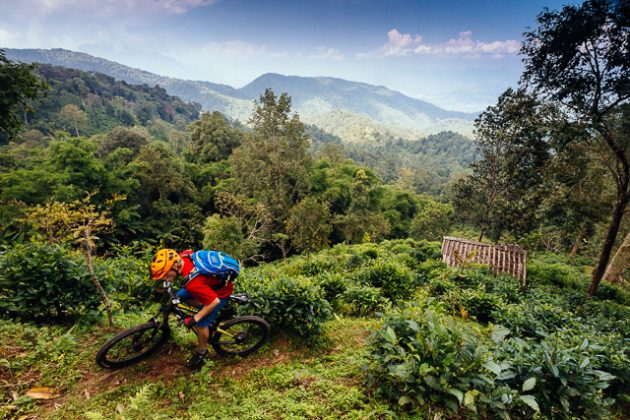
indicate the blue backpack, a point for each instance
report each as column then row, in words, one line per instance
column 215, row 264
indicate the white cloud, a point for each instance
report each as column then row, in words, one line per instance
column 324, row 53
column 399, row 44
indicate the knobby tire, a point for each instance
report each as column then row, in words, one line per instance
column 158, row 335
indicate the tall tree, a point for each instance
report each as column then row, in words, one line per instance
column 72, row 117
column 18, row 86
column 579, row 57
column 272, row 164
column 212, row 139
column 513, row 142
column 309, row 225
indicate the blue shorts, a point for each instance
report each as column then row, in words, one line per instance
column 208, row 319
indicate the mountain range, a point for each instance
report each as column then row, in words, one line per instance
column 356, row 112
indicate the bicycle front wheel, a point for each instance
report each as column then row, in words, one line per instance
column 132, row 345
column 240, row 336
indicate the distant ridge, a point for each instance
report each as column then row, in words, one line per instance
column 351, row 110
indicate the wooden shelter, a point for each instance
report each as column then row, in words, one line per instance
column 502, row 259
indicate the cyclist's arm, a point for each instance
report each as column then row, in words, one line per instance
column 207, row 309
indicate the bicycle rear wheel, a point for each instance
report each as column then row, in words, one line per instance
column 240, row 336
column 132, row 345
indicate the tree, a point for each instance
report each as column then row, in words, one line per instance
column 162, row 173
column 241, row 227
column 576, row 195
column 432, row 221
column 18, row 86
column 72, row 116
column 272, row 164
column 513, row 142
column 362, row 221
column 79, row 222
column 309, row 225
column 579, row 58
column 225, row 233
column 212, row 139
column 620, row 262
column 122, row 137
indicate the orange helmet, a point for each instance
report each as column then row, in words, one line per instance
column 162, row 262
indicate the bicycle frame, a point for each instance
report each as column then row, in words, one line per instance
column 181, row 310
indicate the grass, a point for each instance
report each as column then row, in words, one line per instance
column 284, row 380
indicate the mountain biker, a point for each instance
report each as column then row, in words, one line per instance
column 209, row 291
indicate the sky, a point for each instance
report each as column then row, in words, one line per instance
column 457, row 54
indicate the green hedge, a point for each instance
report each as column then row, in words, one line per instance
column 295, row 306
column 44, row 282
column 363, row 300
column 421, row 359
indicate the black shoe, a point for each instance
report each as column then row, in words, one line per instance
column 196, row 360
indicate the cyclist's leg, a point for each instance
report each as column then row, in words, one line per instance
column 212, row 316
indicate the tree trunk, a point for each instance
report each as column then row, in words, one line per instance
column 619, row 263
column 620, row 206
column 481, row 232
column 99, row 287
column 578, row 242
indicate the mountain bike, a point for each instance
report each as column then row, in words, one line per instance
column 230, row 335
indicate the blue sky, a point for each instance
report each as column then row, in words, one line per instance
column 456, row 54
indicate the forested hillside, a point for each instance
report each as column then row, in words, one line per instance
column 334, row 104
column 90, row 103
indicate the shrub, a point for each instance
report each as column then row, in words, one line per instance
column 506, row 287
column 532, row 318
column 333, row 286
column 363, row 300
column 315, row 265
column 557, row 274
column 393, row 278
column 563, row 377
column 439, row 286
column 614, row 293
column 420, row 358
column 45, row 282
column 126, row 278
column 429, row 270
column 479, row 304
column 419, row 251
column 292, row 305
column 471, row 277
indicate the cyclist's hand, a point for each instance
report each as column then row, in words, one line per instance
column 190, row 322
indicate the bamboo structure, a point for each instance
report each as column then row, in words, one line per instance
column 502, row 259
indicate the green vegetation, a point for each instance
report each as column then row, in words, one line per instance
column 455, row 342
column 342, row 257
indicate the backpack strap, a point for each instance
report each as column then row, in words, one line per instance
column 194, row 273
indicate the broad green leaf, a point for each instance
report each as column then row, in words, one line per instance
column 405, row 399
column 499, row 332
column 469, row 398
column 529, row 384
column 530, row 401
column 492, row 367
column 459, row 394
column 390, row 335
column 584, row 344
column 585, row 362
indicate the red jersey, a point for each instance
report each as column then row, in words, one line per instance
column 201, row 286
